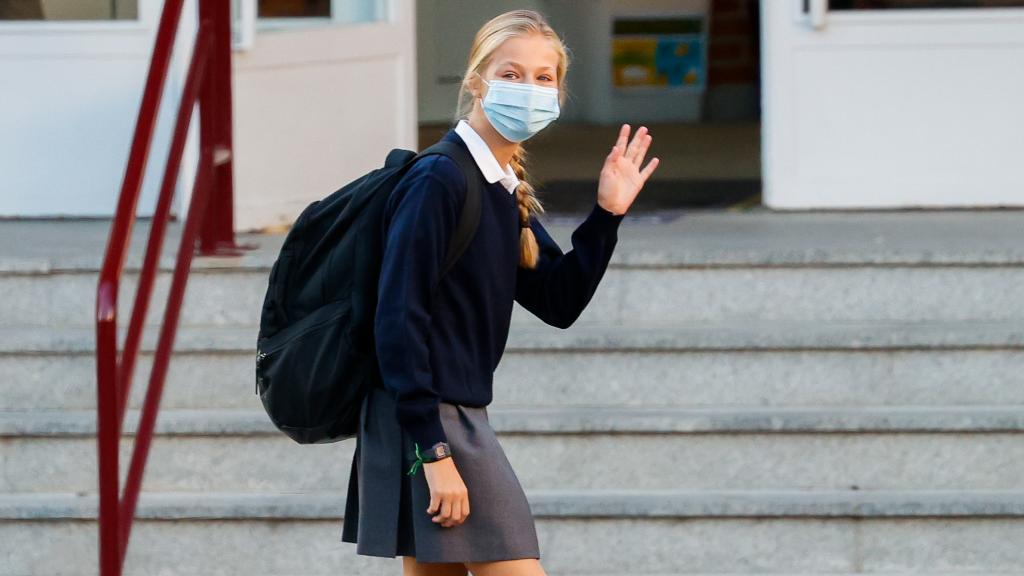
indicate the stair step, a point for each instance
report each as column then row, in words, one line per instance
column 955, row 448
column 597, row 534
column 738, row 336
column 576, row 420
column 628, row 293
column 698, row 238
column 767, row 363
column 702, row 267
column 554, row 504
column 223, row 378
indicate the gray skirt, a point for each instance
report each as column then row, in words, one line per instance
column 385, row 510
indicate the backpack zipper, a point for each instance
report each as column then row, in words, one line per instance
column 335, row 314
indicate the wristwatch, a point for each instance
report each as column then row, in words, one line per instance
column 437, row 452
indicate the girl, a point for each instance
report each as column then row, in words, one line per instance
column 429, row 480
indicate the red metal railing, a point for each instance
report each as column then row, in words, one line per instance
column 210, row 218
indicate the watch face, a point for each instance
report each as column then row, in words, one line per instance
column 439, row 451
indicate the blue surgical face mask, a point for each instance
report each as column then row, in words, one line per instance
column 518, row 111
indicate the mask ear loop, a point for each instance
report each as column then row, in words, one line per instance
column 484, row 80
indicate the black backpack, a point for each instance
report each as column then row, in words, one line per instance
column 316, row 355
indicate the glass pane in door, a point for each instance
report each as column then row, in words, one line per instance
column 920, row 4
column 294, row 8
column 69, row 9
column 340, row 11
column 354, row 11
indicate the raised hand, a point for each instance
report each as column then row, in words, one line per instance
column 621, row 177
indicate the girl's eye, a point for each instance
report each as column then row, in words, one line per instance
column 513, row 76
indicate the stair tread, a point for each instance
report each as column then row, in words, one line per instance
column 553, row 504
column 759, row 237
column 745, row 335
column 578, row 419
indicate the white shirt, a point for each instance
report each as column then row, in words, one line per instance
column 485, row 159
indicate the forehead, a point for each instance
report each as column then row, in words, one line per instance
column 532, row 52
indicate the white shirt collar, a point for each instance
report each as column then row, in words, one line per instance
column 485, row 159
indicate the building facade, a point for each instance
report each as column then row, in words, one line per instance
column 863, row 103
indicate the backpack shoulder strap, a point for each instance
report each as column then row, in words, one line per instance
column 469, row 218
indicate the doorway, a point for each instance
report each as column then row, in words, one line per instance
column 701, row 103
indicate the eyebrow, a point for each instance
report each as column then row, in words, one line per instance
column 520, row 66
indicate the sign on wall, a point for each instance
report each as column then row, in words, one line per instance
column 666, row 52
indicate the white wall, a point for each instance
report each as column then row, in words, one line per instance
column 68, row 108
column 313, row 109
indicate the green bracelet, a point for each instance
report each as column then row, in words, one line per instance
column 419, row 460
column 438, row 451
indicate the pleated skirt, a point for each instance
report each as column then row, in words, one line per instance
column 386, row 509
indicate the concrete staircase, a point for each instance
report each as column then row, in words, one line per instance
column 782, row 394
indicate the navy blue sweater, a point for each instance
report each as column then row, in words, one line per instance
column 447, row 349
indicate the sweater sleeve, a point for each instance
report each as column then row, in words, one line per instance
column 561, row 285
column 419, row 218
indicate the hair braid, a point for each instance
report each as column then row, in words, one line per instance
column 526, row 198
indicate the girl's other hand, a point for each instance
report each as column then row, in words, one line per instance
column 621, row 177
column 448, row 493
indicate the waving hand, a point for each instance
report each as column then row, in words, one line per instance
column 621, row 177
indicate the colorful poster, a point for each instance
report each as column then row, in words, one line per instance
column 662, row 52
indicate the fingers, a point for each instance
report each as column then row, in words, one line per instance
column 649, row 169
column 623, row 137
column 634, row 150
column 638, row 145
column 615, row 154
column 454, row 510
column 456, row 517
column 446, row 511
column 435, row 503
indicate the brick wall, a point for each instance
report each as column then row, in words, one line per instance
column 733, row 44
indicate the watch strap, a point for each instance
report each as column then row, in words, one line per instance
column 438, row 451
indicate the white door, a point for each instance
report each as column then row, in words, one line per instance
column 72, row 77
column 325, row 91
column 892, row 106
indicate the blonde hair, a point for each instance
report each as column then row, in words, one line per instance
column 490, row 36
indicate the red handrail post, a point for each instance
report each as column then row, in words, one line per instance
column 209, row 83
column 161, row 357
column 109, row 414
column 216, row 231
column 108, row 434
column 158, row 227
